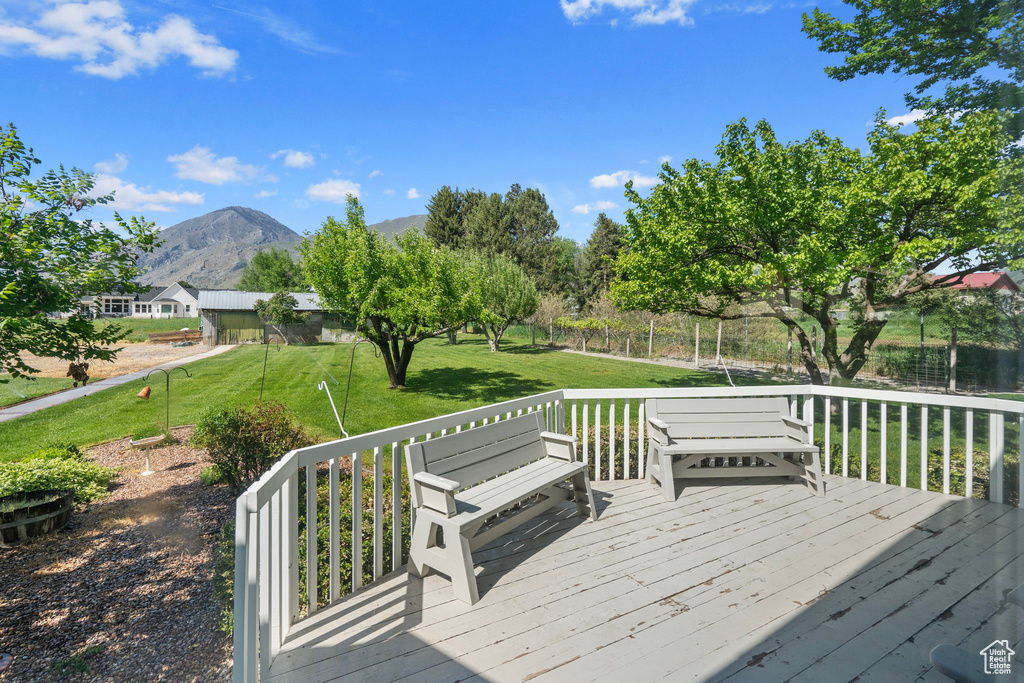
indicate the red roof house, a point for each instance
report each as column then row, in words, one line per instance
column 1000, row 281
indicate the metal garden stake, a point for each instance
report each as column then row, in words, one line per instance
column 167, row 374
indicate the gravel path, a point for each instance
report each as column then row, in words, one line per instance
column 130, row 358
column 125, row 588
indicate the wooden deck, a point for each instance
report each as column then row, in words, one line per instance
column 737, row 581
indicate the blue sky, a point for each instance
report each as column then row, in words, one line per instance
column 184, row 107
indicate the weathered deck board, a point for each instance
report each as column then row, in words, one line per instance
column 746, row 580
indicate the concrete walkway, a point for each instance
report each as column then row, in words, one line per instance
column 67, row 395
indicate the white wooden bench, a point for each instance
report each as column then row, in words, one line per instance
column 728, row 437
column 461, row 481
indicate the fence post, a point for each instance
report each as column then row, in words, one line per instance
column 607, row 339
column 718, row 345
column 814, row 343
column 533, row 334
column 696, row 347
column 650, row 341
column 627, row 344
column 952, row 360
column 789, row 351
column 746, row 338
column 551, row 331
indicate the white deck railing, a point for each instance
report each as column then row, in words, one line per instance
column 610, row 425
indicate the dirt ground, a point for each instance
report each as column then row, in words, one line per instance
column 124, row 592
column 132, row 357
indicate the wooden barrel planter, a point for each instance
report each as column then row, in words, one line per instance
column 28, row 515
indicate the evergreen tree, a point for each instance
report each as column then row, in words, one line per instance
column 597, row 269
column 446, row 223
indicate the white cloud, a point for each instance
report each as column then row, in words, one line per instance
column 412, row 194
column 263, row 194
column 294, row 158
column 115, row 165
column 388, row 192
column 296, row 36
column 96, row 34
column 199, row 163
column 374, row 173
column 333, row 190
column 913, row 117
column 128, row 196
column 665, row 159
column 597, row 206
column 619, row 178
column 737, row 8
column 640, row 11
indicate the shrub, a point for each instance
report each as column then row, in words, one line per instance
column 243, row 443
column 60, row 466
column 210, row 476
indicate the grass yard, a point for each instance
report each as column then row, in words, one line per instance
column 142, row 327
column 17, row 389
column 442, row 379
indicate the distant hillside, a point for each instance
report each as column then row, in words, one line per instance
column 211, row 250
column 397, row 226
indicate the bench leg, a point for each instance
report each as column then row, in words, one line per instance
column 583, row 496
column 650, row 462
column 668, row 477
column 813, row 477
column 460, row 567
column 424, row 535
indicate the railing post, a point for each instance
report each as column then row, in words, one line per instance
column 357, row 521
column 996, row 448
column 245, row 624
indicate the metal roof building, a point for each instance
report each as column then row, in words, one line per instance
column 234, row 300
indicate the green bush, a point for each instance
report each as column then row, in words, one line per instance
column 243, row 443
column 59, row 466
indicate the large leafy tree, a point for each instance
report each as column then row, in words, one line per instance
column 49, row 260
column 271, row 271
column 399, row 293
column 974, row 49
column 801, row 229
column 597, row 269
column 505, row 294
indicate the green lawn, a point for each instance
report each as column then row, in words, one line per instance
column 17, row 389
column 442, row 379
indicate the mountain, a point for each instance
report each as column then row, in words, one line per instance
column 397, row 226
column 211, row 250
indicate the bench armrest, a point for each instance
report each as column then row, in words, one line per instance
column 436, row 493
column 658, row 430
column 795, row 421
column 799, row 429
column 561, row 446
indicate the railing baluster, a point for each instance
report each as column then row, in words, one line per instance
column 246, row 622
column 969, row 453
column 265, row 579
column 611, row 440
column 1020, row 461
column 597, row 440
column 335, row 531
column 945, row 449
column 641, row 452
column 996, row 448
column 357, row 521
column 903, row 444
column 586, row 433
column 311, row 546
column 276, row 574
column 396, row 505
column 292, row 490
column 573, row 417
column 828, row 434
column 378, row 512
column 864, row 440
column 625, row 440
column 924, row 448
column 883, row 446
column 846, row 436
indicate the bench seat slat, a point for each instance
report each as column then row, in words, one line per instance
column 488, row 461
column 491, row 497
column 737, row 446
column 735, row 429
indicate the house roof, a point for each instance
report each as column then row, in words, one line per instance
column 233, row 300
column 153, row 294
column 987, row 281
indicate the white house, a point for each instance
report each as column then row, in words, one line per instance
column 172, row 302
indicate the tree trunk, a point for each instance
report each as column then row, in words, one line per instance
column 453, row 333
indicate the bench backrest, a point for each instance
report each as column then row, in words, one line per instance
column 481, row 453
column 720, row 418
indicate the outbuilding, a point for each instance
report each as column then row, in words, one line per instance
column 228, row 317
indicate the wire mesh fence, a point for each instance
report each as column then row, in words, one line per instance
column 913, row 348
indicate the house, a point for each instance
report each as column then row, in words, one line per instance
column 228, row 317
column 171, row 302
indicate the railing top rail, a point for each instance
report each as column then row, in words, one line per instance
column 261, row 491
column 695, row 392
column 892, row 396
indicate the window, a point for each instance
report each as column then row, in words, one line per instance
column 165, row 308
column 137, row 308
column 187, row 307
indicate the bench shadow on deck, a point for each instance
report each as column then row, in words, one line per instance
column 738, row 581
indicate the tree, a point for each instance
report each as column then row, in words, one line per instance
column 279, row 311
column 397, row 292
column 186, row 284
column 974, row 48
column 48, row 261
column 799, row 229
column 598, row 268
column 445, row 221
column 271, row 271
column 506, row 294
